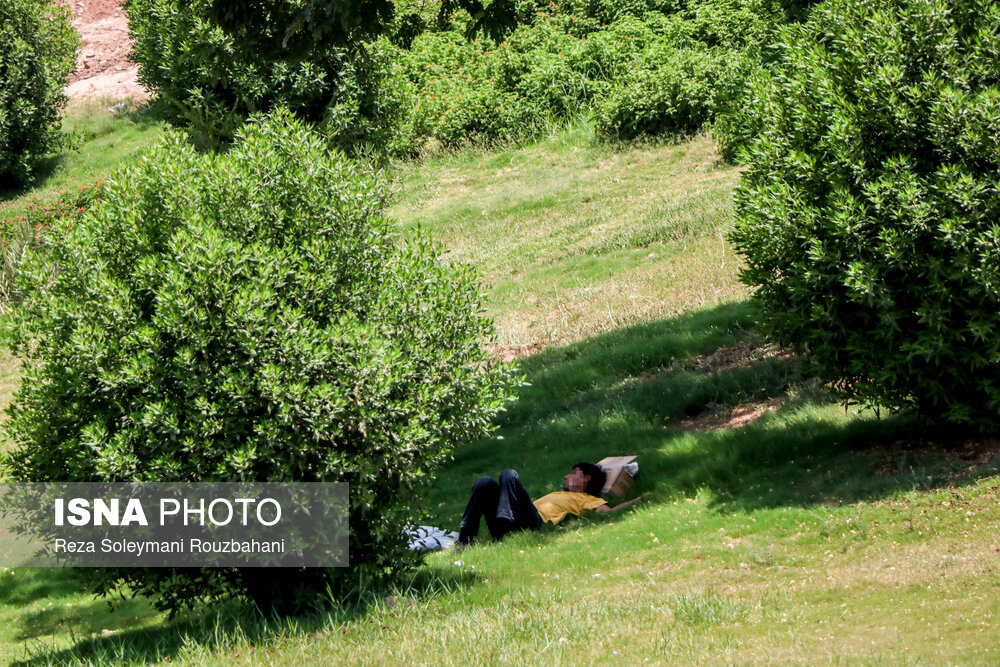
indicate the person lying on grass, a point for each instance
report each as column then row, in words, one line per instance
column 508, row 508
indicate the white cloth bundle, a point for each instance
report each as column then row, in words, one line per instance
column 429, row 538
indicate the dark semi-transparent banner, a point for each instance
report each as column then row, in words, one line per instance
column 301, row 524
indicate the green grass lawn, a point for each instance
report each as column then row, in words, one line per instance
column 575, row 238
column 809, row 535
column 103, row 142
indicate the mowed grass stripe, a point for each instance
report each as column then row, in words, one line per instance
column 574, row 238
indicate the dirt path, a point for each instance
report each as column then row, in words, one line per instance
column 103, row 68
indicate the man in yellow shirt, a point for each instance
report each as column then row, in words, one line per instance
column 507, row 507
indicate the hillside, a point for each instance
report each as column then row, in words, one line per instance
column 779, row 525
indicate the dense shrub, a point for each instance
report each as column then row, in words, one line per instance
column 411, row 18
column 648, row 67
column 726, row 23
column 644, row 67
column 739, row 24
column 212, row 81
column 475, row 90
column 252, row 316
column 737, row 123
column 868, row 214
column 296, row 29
column 37, row 52
column 672, row 94
column 602, row 11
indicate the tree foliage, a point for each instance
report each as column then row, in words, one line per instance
column 638, row 68
column 217, row 63
column 296, row 29
column 37, row 52
column 252, row 316
column 868, row 213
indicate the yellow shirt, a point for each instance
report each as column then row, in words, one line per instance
column 555, row 506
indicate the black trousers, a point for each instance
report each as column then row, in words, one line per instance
column 505, row 505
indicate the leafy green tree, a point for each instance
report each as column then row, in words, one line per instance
column 494, row 18
column 295, row 29
column 37, row 52
column 252, row 316
column 868, row 211
column 217, row 63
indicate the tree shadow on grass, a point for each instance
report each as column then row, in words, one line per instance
column 84, row 619
column 42, row 171
column 26, row 585
column 218, row 628
column 636, row 390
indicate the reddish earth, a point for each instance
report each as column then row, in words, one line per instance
column 516, row 352
column 725, row 417
column 728, row 358
column 102, row 67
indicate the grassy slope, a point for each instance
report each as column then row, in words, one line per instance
column 574, row 239
column 103, row 141
column 807, row 536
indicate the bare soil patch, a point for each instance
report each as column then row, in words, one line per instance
column 103, row 68
column 726, row 417
column 510, row 353
column 727, row 358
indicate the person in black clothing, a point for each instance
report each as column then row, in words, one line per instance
column 507, row 506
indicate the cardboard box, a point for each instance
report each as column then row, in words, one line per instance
column 619, row 480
